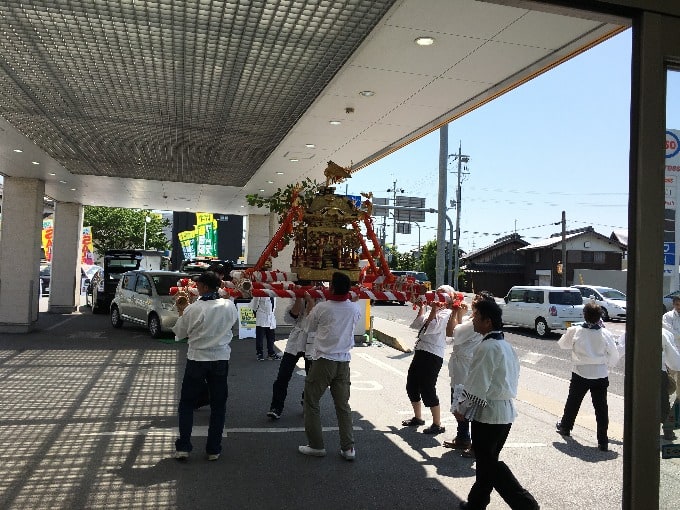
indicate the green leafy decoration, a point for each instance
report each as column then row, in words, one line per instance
column 282, row 200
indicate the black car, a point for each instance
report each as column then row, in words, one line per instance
column 103, row 283
column 200, row 265
column 45, row 275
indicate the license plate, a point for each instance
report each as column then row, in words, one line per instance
column 567, row 324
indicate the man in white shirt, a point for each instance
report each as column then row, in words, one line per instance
column 671, row 322
column 490, row 387
column 265, row 326
column 593, row 350
column 332, row 325
column 207, row 324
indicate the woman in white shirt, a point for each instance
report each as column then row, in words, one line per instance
column 427, row 360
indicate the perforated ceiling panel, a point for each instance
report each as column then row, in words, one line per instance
column 188, row 91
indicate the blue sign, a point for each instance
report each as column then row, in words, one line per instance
column 355, row 199
column 668, row 254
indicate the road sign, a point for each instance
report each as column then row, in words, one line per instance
column 380, row 211
column 410, row 216
column 415, row 202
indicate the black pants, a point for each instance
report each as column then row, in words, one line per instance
column 421, row 381
column 280, row 387
column 494, row 474
column 578, row 387
column 260, row 333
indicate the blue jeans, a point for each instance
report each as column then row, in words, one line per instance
column 196, row 374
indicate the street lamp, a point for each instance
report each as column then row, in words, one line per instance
column 147, row 220
column 394, row 190
column 417, row 225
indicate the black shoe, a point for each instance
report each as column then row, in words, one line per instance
column 434, row 429
column 274, row 414
column 603, row 447
column 274, row 357
column 260, row 357
column 562, row 431
column 463, row 505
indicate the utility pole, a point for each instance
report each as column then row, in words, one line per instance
column 564, row 249
column 461, row 159
column 394, row 190
column 441, row 204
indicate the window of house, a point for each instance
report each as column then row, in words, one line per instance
column 537, row 256
column 574, row 256
column 599, row 257
column 587, row 256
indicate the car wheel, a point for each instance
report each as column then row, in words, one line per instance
column 155, row 326
column 116, row 321
column 542, row 329
column 605, row 314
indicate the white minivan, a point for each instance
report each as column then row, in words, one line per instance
column 542, row 307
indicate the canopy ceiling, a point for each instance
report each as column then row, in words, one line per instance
column 171, row 104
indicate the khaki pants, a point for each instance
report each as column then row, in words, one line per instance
column 325, row 373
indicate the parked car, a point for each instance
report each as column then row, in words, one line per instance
column 103, row 283
column 612, row 301
column 668, row 300
column 86, row 274
column 143, row 298
column 542, row 308
column 45, row 276
column 199, row 265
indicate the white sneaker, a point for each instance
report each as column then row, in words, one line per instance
column 213, row 456
column 348, row 454
column 179, row 455
column 314, row 452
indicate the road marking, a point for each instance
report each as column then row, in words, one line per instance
column 202, row 431
column 59, row 324
column 381, row 364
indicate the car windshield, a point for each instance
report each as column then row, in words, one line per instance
column 612, row 293
column 565, row 298
column 164, row 282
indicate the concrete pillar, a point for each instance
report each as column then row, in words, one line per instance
column 66, row 248
column 260, row 229
column 22, row 207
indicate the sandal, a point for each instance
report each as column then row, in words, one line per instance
column 434, row 429
column 413, row 422
column 457, row 444
column 468, row 454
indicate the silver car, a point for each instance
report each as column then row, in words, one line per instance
column 143, row 298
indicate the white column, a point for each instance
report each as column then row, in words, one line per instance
column 22, row 208
column 257, row 236
column 66, row 247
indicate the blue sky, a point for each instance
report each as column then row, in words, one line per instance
column 558, row 143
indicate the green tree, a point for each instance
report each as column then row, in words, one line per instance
column 117, row 228
column 428, row 260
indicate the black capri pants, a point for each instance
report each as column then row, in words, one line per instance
column 421, row 381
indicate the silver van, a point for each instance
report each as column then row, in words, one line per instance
column 143, row 298
column 542, row 307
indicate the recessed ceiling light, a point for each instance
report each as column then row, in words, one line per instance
column 270, row 182
column 424, row 41
column 367, row 93
column 242, row 206
column 335, row 123
column 310, row 146
column 188, row 208
column 261, row 191
column 294, row 160
column 53, row 173
column 35, row 162
column 73, row 189
column 279, row 173
column 62, row 182
column 18, row 150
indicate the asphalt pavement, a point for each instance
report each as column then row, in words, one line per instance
column 89, row 419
